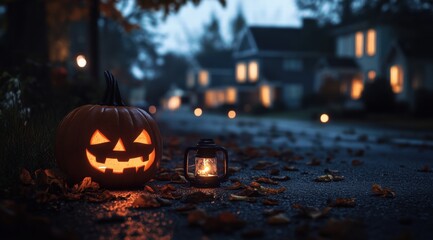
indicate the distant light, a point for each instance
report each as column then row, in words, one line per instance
column 81, row 61
column 231, row 114
column 324, row 118
column 152, row 109
column 198, row 112
column 174, row 103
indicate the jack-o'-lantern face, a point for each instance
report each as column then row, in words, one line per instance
column 116, row 155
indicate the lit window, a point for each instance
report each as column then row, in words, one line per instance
column 211, row 98
column 203, row 78
column 266, row 95
column 253, row 71
column 174, row 102
column 241, row 72
column 371, row 75
column 396, row 78
column 359, row 44
column 371, row 42
column 231, row 95
column 357, row 87
column 221, row 97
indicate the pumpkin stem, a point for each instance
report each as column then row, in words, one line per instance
column 112, row 94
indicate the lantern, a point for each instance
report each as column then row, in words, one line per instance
column 208, row 158
column 116, row 145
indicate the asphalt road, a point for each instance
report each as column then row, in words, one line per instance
column 389, row 157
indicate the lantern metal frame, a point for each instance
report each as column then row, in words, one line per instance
column 206, row 148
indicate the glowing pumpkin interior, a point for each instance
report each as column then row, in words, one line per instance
column 102, row 157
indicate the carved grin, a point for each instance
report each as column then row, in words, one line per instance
column 119, row 166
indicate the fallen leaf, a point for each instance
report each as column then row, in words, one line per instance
column 197, row 217
column 85, row 185
column 253, row 233
column 198, row 197
column 262, row 165
column 343, row 202
column 272, row 211
column 270, row 202
column 234, row 197
column 266, row 180
column 235, row 186
column 343, row 229
column 311, row 212
column 274, row 171
column 186, row 208
column 314, row 162
column 145, row 201
column 382, row 192
column 425, row 168
column 290, row 168
column 357, row 162
column 25, row 177
column 280, row 178
column 149, row 189
column 278, row 219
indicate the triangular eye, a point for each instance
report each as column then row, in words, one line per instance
column 143, row 138
column 98, row 138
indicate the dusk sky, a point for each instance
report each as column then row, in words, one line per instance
column 189, row 21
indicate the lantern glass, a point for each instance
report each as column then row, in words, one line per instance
column 206, row 167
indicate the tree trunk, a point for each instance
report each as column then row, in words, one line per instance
column 94, row 42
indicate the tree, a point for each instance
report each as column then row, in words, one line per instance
column 211, row 41
column 336, row 11
column 237, row 25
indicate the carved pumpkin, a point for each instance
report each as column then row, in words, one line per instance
column 116, row 145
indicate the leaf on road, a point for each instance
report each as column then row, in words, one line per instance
column 382, row 192
column 311, row 212
column 314, row 162
column 85, row 185
column 234, row 197
column 262, row 165
column 426, row 168
column 198, row 197
column 343, row 202
column 278, row 219
column 290, row 168
column 328, row 178
column 236, row 186
column 265, row 180
column 186, row 208
column 145, row 201
column 357, row 162
column 270, row 202
column 280, row 178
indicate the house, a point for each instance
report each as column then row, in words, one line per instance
column 274, row 66
column 379, row 47
column 209, row 80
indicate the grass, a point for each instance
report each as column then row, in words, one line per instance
column 25, row 143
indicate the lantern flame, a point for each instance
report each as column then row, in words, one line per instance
column 206, row 167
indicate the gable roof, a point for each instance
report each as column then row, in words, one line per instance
column 421, row 48
column 216, row 60
column 288, row 39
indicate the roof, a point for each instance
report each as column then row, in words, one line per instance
column 338, row 62
column 283, row 39
column 217, row 60
column 421, row 48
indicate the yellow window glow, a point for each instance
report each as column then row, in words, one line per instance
column 174, row 102
column 231, row 95
column 211, row 98
column 371, row 42
column 371, row 75
column 359, row 44
column 253, row 71
column 241, row 72
column 396, row 78
column 357, row 87
column 203, row 78
column 266, row 95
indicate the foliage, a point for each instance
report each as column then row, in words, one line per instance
column 423, row 102
column 378, row 96
column 237, row 25
column 335, row 11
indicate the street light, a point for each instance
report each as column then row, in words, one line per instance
column 81, row 61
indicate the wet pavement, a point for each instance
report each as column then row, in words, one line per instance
column 387, row 157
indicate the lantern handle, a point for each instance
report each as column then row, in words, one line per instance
column 185, row 162
column 226, row 162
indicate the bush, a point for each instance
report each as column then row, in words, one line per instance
column 378, row 96
column 423, row 103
